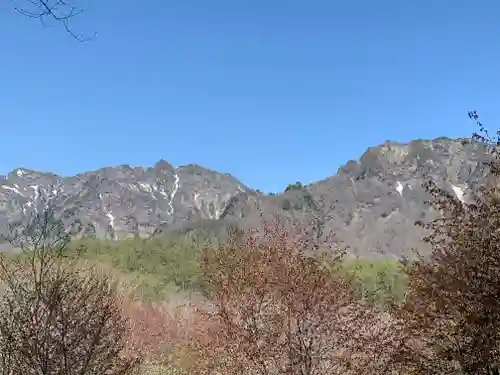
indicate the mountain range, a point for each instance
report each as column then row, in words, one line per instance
column 371, row 203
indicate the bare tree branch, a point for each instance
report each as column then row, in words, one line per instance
column 61, row 11
column 56, row 318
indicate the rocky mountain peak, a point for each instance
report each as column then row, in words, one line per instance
column 163, row 166
column 371, row 203
column 121, row 201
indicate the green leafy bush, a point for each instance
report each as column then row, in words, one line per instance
column 378, row 279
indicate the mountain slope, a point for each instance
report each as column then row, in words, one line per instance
column 122, row 201
column 371, row 203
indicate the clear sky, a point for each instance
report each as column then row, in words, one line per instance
column 272, row 91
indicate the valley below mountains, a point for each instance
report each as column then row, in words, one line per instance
column 371, row 204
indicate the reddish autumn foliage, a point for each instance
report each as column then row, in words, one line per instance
column 155, row 328
column 450, row 320
column 276, row 310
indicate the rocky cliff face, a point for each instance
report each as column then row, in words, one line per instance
column 122, row 201
column 371, row 203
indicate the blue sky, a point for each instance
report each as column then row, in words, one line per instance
column 270, row 91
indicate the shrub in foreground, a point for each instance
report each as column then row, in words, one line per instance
column 449, row 322
column 54, row 318
column 276, row 310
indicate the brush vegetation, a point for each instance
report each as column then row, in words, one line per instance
column 276, row 301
